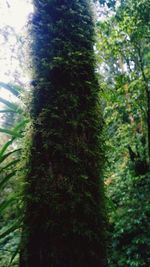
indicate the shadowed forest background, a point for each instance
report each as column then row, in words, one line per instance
column 122, row 68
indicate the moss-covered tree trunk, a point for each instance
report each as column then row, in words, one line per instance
column 64, row 216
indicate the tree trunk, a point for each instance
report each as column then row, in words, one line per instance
column 64, row 221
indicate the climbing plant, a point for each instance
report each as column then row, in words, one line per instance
column 64, row 220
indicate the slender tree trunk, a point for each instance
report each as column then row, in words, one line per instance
column 64, row 222
column 147, row 89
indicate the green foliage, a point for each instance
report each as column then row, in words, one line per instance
column 10, row 215
column 123, row 54
column 129, row 220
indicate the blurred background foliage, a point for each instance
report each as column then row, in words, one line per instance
column 11, row 133
column 123, row 54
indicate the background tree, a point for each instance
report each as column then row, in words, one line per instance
column 64, row 205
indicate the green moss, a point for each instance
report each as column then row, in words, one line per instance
column 64, row 203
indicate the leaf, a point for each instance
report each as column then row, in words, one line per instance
column 8, row 110
column 11, row 105
column 6, row 203
column 84, row 177
column 20, row 125
column 8, row 154
column 12, row 228
column 16, row 131
column 14, row 255
column 5, row 146
column 6, row 179
column 14, row 89
column 9, row 164
column 10, row 132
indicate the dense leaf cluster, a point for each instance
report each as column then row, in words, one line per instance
column 123, row 55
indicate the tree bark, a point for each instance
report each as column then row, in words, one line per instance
column 64, row 215
column 147, row 89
